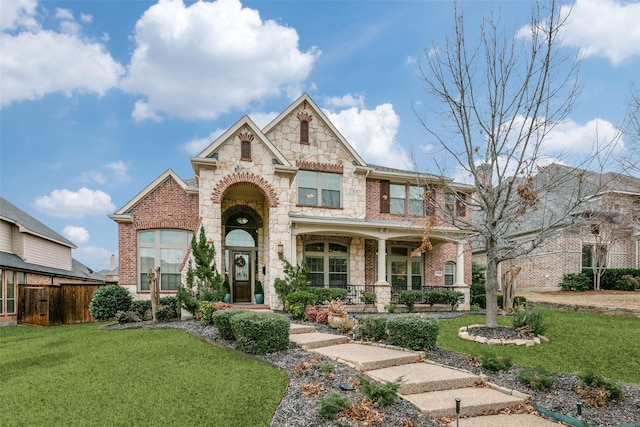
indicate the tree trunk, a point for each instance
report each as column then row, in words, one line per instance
column 154, row 290
column 491, row 288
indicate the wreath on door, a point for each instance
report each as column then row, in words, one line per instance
column 240, row 262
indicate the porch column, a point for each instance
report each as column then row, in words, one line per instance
column 382, row 287
column 460, row 264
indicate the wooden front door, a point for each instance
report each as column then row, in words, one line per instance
column 241, row 276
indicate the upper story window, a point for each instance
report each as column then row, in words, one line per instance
column 165, row 249
column 245, row 146
column 454, row 204
column 328, row 264
column 304, row 132
column 319, row 189
column 402, row 199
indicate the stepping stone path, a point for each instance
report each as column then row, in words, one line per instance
column 429, row 386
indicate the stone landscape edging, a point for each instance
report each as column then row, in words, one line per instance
column 463, row 333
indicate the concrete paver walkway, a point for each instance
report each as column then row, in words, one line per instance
column 431, row 387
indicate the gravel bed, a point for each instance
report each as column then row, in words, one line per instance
column 296, row 409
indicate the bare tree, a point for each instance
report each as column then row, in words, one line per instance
column 500, row 94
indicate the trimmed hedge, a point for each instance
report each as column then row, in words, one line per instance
column 410, row 298
column 413, row 331
column 301, row 297
column 222, row 321
column 206, row 311
column 372, row 328
column 106, row 301
column 260, row 333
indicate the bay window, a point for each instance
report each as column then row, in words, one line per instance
column 165, row 249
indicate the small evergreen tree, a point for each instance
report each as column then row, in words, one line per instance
column 295, row 279
column 203, row 282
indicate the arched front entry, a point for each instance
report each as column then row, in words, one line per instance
column 241, row 225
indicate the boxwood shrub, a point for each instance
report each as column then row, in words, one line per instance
column 372, row 328
column 222, row 322
column 106, row 301
column 328, row 294
column 142, row 308
column 410, row 298
column 413, row 331
column 260, row 333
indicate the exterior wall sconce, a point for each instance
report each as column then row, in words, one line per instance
column 280, row 249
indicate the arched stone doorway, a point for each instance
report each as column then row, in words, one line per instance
column 242, row 235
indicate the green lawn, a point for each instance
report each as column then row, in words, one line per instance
column 605, row 345
column 76, row 375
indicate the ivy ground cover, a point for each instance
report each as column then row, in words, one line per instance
column 77, row 375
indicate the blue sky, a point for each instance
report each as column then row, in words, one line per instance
column 98, row 98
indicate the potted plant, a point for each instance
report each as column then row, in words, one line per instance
column 227, row 290
column 258, row 292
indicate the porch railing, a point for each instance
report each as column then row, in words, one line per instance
column 354, row 292
column 396, row 290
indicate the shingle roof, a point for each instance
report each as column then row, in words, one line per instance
column 78, row 270
column 11, row 213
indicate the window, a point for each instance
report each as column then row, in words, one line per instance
column 245, row 150
column 304, row 131
column 449, row 273
column 7, row 292
column 454, row 204
column 328, row 264
column 416, row 200
column 165, row 249
column 588, row 256
column 323, row 185
column 398, row 195
column 406, row 272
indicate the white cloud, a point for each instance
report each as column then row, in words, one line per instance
column 93, row 257
column 119, row 170
column 78, row 235
column 205, row 59
column 262, row 119
column 86, row 18
column 372, row 134
column 604, row 29
column 347, row 100
column 571, row 137
column 96, row 176
column 69, row 204
column 18, row 14
column 35, row 62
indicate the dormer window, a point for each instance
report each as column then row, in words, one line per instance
column 305, row 119
column 245, row 146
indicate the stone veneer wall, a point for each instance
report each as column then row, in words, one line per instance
column 168, row 206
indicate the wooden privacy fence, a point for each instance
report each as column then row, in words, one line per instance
column 48, row 305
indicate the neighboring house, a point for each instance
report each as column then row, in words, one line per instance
column 296, row 190
column 111, row 275
column 40, row 281
column 606, row 219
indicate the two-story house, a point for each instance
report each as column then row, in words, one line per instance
column 295, row 189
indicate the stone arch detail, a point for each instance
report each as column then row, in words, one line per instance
column 244, row 209
column 169, row 223
column 246, row 178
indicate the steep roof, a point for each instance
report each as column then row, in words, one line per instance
column 78, row 270
column 28, row 224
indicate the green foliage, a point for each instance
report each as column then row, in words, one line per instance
column 327, row 369
column 372, row 328
column 127, row 316
column 612, row 388
column 331, row 405
column 258, row 288
column 323, row 295
column 413, row 331
column 106, row 301
column 296, row 310
column 206, row 311
column 577, row 282
column 368, row 297
column 304, row 298
column 222, row 322
column 480, row 300
column 142, row 308
column 384, row 394
column 612, row 278
column 203, row 282
column 478, row 275
column 172, row 303
column 391, row 307
column 447, row 296
column 260, row 333
column 534, row 319
column 537, row 379
column 295, row 279
column 496, row 363
column 519, row 301
column 627, row 283
column 165, row 313
column 410, row 298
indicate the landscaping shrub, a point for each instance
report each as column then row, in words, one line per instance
column 432, row 297
column 410, row 298
column 260, row 333
column 165, row 313
column 519, row 301
column 537, row 379
column 142, row 308
column 479, row 300
column 323, row 295
column 413, row 331
column 579, row 282
column 495, row 363
column 627, row 283
column 206, row 311
column 127, row 316
column 301, row 297
column 452, row 298
column 222, row 322
column 106, row 301
column 295, row 279
column 372, row 328
column 611, row 277
column 534, row 319
column 368, row 297
column 172, row 303
column 613, row 391
column 331, row 405
column 383, row 394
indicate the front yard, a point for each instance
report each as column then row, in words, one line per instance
column 79, row 375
